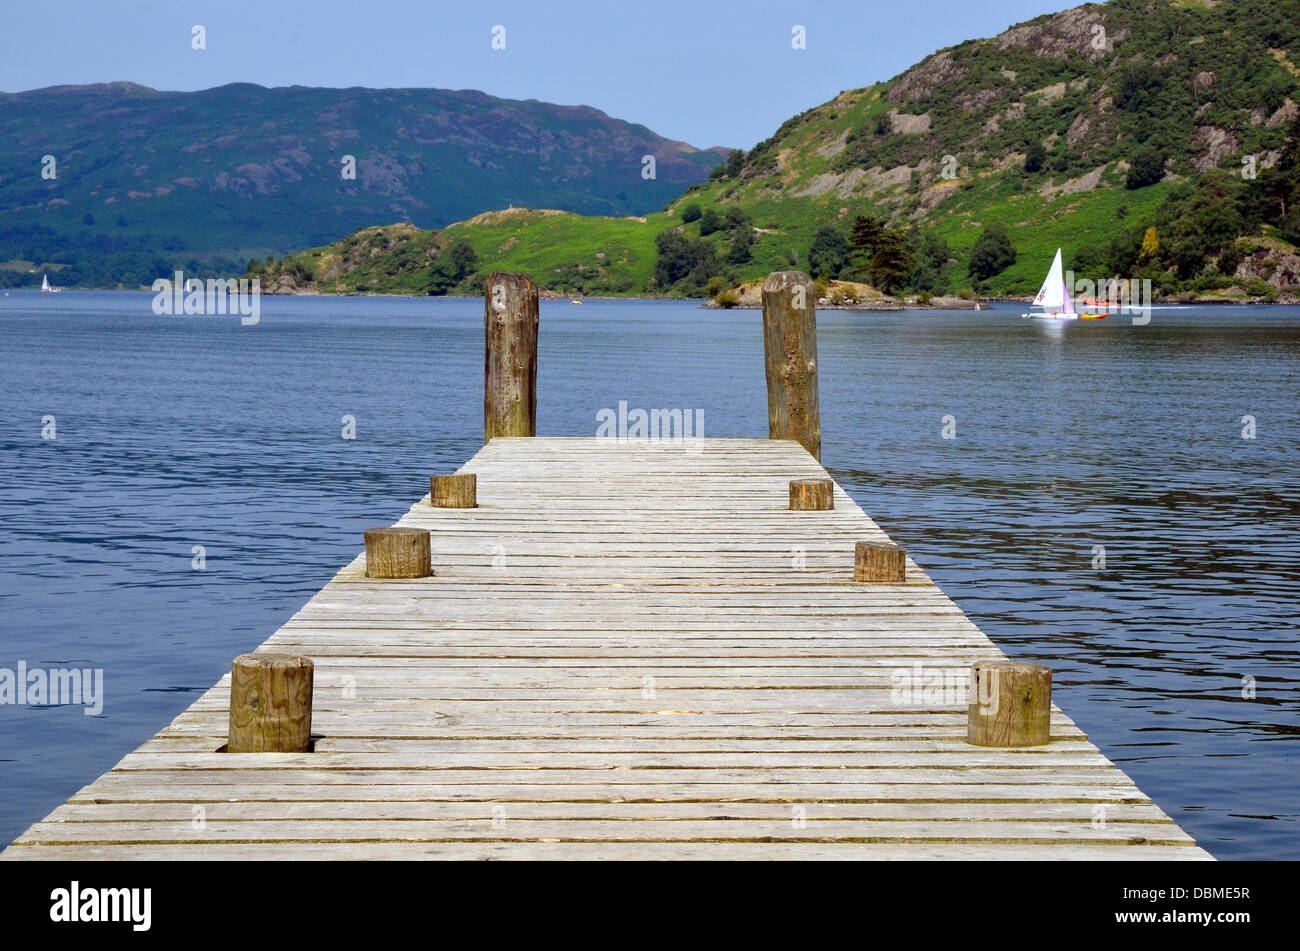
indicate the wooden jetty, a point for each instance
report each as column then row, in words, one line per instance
column 627, row 649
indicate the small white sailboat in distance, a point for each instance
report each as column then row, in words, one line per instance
column 45, row 285
column 1054, row 297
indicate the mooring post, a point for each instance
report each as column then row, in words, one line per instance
column 812, row 495
column 459, row 491
column 790, row 351
column 270, row 704
column 879, row 562
column 510, row 364
column 398, row 553
column 1010, row 704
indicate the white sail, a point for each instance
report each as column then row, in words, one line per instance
column 1052, row 295
column 1067, row 305
column 45, row 282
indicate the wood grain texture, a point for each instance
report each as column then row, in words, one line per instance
column 1011, row 704
column 618, row 658
column 270, row 704
column 459, row 491
column 879, row 563
column 397, row 552
column 790, row 357
column 510, row 362
column 812, row 495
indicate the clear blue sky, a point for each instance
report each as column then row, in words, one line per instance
column 710, row 73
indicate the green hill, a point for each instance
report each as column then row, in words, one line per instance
column 1080, row 129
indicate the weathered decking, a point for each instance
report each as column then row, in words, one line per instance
column 617, row 658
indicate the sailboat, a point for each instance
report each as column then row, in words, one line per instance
column 1054, row 297
column 45, row 285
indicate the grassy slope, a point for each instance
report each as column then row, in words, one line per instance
column 560, row 249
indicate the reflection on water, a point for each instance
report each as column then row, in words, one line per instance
column 176, row 432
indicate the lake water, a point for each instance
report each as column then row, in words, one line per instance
column 1179, row 657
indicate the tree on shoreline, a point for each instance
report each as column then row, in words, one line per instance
column 866, row 231
column 892, row 260
column 681, row 262
column 828, row 254
column 930, row 275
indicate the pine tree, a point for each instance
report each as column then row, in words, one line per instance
column 892, row 260
column 862, row 239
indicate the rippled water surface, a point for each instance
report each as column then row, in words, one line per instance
column 181, row 431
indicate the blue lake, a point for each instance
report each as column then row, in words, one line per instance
column 1179, row 656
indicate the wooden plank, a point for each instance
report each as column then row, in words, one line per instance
column 912, row 811
column 570, row 850
column 1021, row 789
column 596, row 829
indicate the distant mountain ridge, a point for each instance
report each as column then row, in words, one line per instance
column 243, row 167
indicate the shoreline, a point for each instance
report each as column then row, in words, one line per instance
column 707, row 303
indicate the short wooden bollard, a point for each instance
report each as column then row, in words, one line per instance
column 879, row 562
column 270, row 704
column 510, row 364
column 812, row 495
column 790, row 356
column 397, row 553
column 1010, row 704
column 458, row 491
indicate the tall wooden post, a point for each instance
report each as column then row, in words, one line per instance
column 510, row 364
column 790, row 349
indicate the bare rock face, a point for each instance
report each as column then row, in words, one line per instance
column 1010, row 114
column 979, row 99
column 1285, row 113
column 835, row 147
column 1084, row 183
column 1272, row 262
column 909, row 124
column 1049, row 93
column 1067, row 34
column 927, row 76
column 1078, row 130
column 1214, row 144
